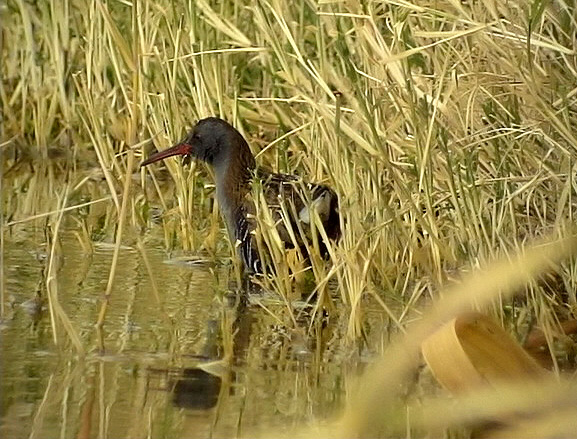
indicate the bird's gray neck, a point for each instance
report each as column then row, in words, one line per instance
column 224, row 193
column 232, row 186
column 233, row 168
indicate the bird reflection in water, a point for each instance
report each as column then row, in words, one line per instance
column 196, row 389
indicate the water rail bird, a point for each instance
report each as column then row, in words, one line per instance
column 291, row 200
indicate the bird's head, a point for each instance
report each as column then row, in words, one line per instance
column 213, row 141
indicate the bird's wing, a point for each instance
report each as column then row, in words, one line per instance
column 292, row 202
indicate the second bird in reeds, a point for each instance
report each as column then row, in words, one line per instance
column 293, row 203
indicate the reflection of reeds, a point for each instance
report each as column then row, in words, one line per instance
column 57, row 314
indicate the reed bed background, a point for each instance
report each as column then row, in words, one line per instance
column 447, row 128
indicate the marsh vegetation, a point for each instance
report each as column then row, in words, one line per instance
column 448, row 129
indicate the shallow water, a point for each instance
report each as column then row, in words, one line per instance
column 145, row 376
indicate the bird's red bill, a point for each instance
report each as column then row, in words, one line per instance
column 178, row 149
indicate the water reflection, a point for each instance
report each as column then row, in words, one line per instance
column 199, row 388
column 200, row 357
column 196, row 389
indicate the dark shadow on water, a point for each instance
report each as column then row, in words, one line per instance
column 196, row 389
